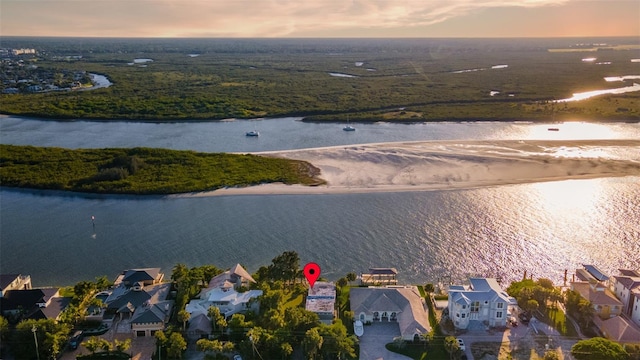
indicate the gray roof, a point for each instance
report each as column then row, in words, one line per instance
column 383, row 271
column 151, row 313
column 405, row 301
column 629, row 272
column 135, row 275
column 201, row 324
column 482, row 289
column 6, row 280
column 595, row 272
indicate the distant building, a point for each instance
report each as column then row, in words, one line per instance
column 401, row 304
column 379, row 276
column 483, row 301
column 321, row 300
column 16, row 52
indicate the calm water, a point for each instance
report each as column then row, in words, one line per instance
column 543, row 228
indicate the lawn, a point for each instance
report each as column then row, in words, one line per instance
column 555, row 317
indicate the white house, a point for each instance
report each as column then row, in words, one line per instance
column 223, row 293
column 482, row 301
column 401, row 304
column 635, row 312
column 627, row 288
column 624, row 286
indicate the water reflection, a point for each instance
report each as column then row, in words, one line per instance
column 572, row 131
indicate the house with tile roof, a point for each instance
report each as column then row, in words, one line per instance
column 400, row 304
column 619, row 329
column 483, row 301
column 604, row 302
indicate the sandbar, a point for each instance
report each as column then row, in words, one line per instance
column 442, row 165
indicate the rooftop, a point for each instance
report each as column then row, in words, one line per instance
column 595, row 272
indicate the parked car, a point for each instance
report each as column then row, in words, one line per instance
column 76, row 339
column 461, row 344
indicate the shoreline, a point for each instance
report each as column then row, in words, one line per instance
column 411, row 166
column 298, row 117
column 444, row 165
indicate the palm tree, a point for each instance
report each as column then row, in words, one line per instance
column 183, row 316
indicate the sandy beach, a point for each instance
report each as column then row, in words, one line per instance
column 441, row 165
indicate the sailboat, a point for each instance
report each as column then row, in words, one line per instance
column 348, row 127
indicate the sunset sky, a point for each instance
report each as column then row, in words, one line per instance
column 320, row 18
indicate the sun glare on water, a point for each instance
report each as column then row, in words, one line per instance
column 572, row 131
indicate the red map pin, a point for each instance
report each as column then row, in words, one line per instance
column 311, row 272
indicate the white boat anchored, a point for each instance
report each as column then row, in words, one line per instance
column 358, row 328
column 252, row 133
column 348, row 127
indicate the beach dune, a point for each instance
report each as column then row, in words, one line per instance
column 438, row 165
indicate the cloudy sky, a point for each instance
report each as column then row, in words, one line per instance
column 320, row 18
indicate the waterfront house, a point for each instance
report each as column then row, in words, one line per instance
column 226, row 291
column 604, row 302
column 33, row 304
column 626, row 287
column 400, row 304
column 321, row 299
column 141, row 277
column 14, row 282
column 139, row 299
column 482, row 302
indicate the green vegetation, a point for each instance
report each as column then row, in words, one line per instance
column 598, row 348
column 143, row 170
column 392, row 80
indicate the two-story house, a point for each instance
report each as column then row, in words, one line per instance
column 483, row 301
column 225, row 291
column 140, row 298
column 626, row 287
column 605, row 304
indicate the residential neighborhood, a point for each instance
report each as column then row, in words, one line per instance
column 205, row 312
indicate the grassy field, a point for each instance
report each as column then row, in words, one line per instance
column 405, row 80
column 143, row 170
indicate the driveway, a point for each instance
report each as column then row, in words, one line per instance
column 374, row 339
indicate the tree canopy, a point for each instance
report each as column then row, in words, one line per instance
column 598, row 349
